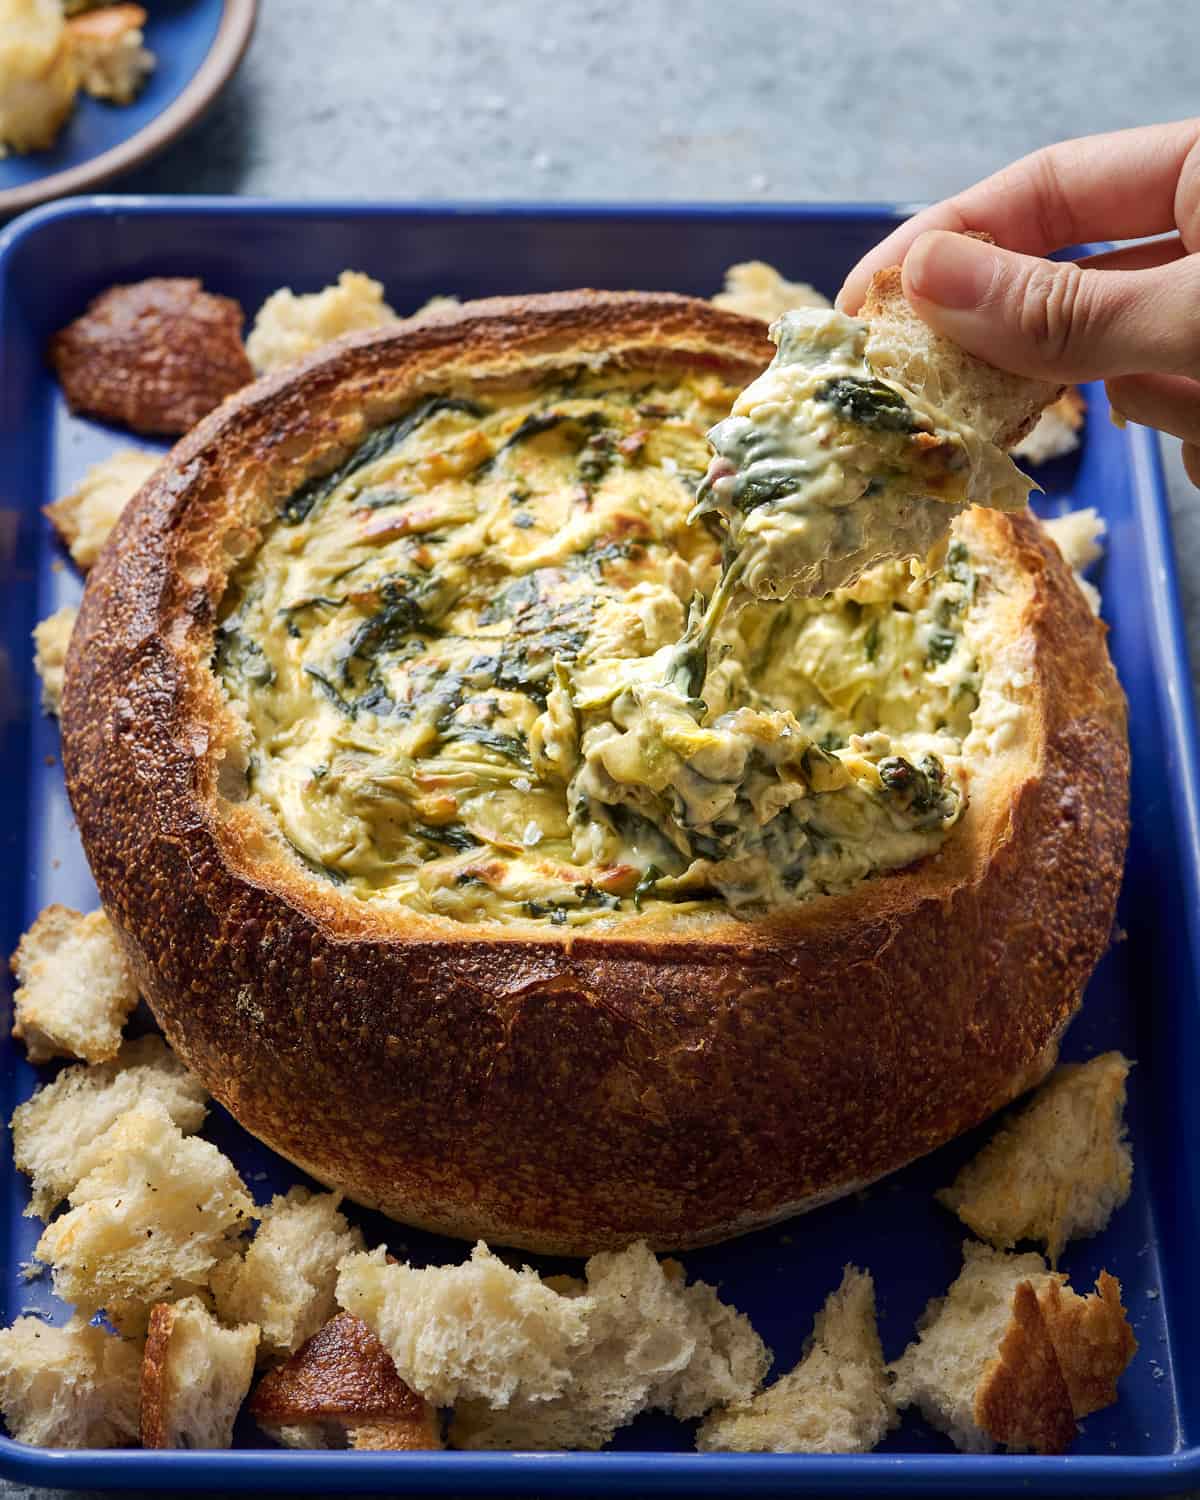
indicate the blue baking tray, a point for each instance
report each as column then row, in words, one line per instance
column 1142, row 999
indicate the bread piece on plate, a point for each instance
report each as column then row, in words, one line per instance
column 652, row 1342
column 340, row 1389
column 148, row 1223
column 154, row 356
column 109, row 53
column 285, row 1281
column 75, row 988
column 1012, row 1355
column 287, row 327
column 195, row 1375
column 1056, row 432
column 755, row 289
column 69, row 1387
column 59, row 1134
column 38, row 76
column 1079, row 536
column 84, row 518
column 838, row 1399
column 1057, row 1169
column 51, row 637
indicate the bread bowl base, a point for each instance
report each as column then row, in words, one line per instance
column 1142, row 999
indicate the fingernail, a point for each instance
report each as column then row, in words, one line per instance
column 951, row 270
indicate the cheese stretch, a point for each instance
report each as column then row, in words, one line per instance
column 477, row 673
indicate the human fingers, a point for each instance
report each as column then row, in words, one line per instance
column 1122, row 185
column 1142, row 257
column 1171, row 403
column 1053, row 319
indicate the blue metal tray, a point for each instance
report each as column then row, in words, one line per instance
column 1143, row 998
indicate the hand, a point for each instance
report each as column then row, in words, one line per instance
column 1130, row 317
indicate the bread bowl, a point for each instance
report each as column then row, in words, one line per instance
column 493, row 1055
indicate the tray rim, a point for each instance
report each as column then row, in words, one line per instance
column 627, row 1472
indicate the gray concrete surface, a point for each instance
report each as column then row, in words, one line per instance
column 729, row 99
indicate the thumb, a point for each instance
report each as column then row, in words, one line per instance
column 1054, row 319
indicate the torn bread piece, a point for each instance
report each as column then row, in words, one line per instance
column 838, row 1399
column 75, row 988
column 84, row 518
column 38, row 78
column 109, row 53
column 69, row 1387
column 860, row 442
column 285, row 1281
column 980, row 1370
column 1058, row 1168
column 51, row 637
column 1079, row 536
column 652, row 1342
column 195, row 1375
column 341, row 1390
column 757, row 290
column 289, row 326
column 148, row 1223
column 1056, row 432
column 58, row 1134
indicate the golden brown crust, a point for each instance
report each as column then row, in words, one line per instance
column 1022, row 1399
column 154, row 1376
column 694, row 1079
column 344, row 1375
column 1092, row 1339
column 154, row 356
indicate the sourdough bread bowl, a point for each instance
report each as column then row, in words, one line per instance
column 337, row 678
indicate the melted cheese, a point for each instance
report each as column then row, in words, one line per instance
column 467, row 669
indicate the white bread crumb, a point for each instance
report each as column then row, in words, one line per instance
column 1057, row 431
column 75, row 988
column 285, row 1281
column 438, row 304
column 289, row 326
column 1078, row 536
column 51, row 637
column 109, row 53
column 85, row 517
column 1058, row 1168
column 72, row 1387
column 58, row 1135
column 38, row 76
column 195, row 1375
column 757, row 290
column 651, row 1342
column 147, row 1224
column 837, row 1399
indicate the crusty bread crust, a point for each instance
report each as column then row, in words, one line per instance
column 678, row 1080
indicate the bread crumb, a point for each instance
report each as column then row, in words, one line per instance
column 195, row 1375
column 38, row 76
column 1078, row 536
column 1057, row 430
column 75, row 988
column 51, row 637
column 1058, row 1168
column 285, row 1281
column 837, row 1399
column 289, row 326
column 84, row 518
column 70, row 1387
column 757, row 290
column 109, row 53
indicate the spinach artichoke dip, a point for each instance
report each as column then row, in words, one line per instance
column 485, row 669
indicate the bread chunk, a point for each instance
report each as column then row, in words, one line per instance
column 289, row 326
column 51, row 637
column 1012, row 1355
column 75, row 988
column 285, row 1281
column 60, row 1134
column 476, row 1330
column 1058, row 1168
column 70, row 1387
column 1078, row 535
column 838, row 1399
column 109, row 52
column 84, row 518
column 148, row 1223
column 341, row 1389
column 652, row 1342
column 38, row 75
column 154, row 356
column 195, row 1375
column 757, row 290
column 1056, row 432
column 1001, row 407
